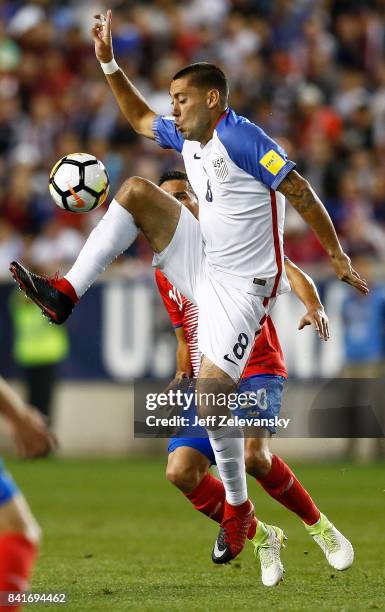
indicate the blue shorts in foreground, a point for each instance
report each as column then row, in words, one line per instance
column 200, row 444
column 8, row 487
column 266, row 393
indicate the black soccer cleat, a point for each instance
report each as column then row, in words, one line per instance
column 221, row 551
column 233, row 532
column 54, row 304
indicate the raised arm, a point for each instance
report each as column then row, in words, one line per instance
column 306, row 291
column 301, row 195
column 131, row 102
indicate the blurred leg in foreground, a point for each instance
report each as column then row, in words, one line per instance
column 19, row 531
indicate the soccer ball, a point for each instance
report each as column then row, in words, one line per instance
column 79, row 182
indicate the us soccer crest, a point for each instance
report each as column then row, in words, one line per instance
column 220, row 168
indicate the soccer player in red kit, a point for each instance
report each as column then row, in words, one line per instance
column 190, row 452
column 19, row 531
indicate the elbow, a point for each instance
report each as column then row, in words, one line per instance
column 136, row 125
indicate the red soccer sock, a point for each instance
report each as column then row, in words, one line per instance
column 282, row 484
column 209, row 498
column 17, row 557
column 63, row 285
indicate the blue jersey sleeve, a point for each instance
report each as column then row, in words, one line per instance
column 252, row 150
column 166, row 134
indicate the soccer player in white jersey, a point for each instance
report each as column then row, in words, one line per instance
column 230, row 263
column 190, row 452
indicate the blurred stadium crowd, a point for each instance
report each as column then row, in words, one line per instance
column 311, row 73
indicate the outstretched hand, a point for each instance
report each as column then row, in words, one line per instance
column 177, row 381
column 101, row 34
column 32, row 436
column 347, row 274
column 316, row 317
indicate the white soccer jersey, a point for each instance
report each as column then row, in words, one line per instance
column 235, row 177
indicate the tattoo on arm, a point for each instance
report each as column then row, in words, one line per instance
column 299, row 193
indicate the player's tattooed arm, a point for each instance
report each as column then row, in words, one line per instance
column 299, row 193
column 131, row 102
column 302, row 197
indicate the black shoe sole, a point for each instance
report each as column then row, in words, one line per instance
column 50, row 314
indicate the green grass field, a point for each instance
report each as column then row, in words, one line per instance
column 118, row 537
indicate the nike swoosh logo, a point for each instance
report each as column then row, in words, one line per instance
column 79, row 202
column 217, row 552
column 291, row 482
column 216, row 509
column 196, row 156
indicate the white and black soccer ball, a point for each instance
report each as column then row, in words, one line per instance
column 79, row 183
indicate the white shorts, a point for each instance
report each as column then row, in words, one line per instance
column 229, row 317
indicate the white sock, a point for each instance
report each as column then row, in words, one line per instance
column 114, row 233
column 230, row 457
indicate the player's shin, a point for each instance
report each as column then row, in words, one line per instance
column 17, row 558
column 212, row 393
column 213, row 388
column 209, row 499
column 115, row 232
column 228, row 446
column 283, row 485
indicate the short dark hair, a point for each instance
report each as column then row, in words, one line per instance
column 203, row 74
column 173, row 175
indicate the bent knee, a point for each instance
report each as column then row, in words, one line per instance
column 33, row 532
column 30, row 529
column 257, row 462
column 184, row 478
column 133, row 187
column 16, row 517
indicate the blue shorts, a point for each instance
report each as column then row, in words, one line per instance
column 200, row 444
column 266, row 397
column 8, row 487
column 266, row 393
